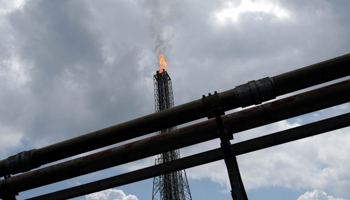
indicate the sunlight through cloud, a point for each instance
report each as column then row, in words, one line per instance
column 10, row 6
column 247, row 6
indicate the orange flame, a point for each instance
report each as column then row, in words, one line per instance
column 162, row 63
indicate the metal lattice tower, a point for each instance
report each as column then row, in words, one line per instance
column 173, row 186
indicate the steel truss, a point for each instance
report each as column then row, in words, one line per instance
column 172, row 186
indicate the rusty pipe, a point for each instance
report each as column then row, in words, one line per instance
column 254, row 92
column 202, row 158
column 246, row 119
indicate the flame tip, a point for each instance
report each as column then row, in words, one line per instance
column 162, row 63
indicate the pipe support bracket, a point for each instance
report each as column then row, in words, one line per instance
column 212, row 105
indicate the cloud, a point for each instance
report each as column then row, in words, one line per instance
column 54, row 60
column 317, row 195
column 315, row 162
column 247, row 6
column 9, row 6
column 10, row 139
column 217, row 171
column 68, row 68
column 110, row 194
column 94, row 61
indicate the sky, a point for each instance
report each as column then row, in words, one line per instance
column 68, row 68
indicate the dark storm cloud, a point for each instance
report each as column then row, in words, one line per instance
column 73, row 87
column 92, row 63
column 54, row 35
column 51, row 36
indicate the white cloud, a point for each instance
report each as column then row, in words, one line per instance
column 110, row 194
column 139, row 164
column 316, row 162
column 9, row 6
column 317, row 195
column 247, row 6
column 10, row 139
column 216, row 171
column 14, row 72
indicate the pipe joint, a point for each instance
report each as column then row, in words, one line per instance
column 255, row 92
column 212, row 105
column 20, row 162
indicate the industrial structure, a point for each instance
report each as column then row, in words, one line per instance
column 174, row 185
column 219, row 125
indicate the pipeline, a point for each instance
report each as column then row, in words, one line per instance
column 254, row 92
column 246, row 119
column 203, row 158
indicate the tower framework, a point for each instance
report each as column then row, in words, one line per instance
column 172, row 186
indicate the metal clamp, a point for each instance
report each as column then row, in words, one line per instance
column 213, row 108
column 212, row 105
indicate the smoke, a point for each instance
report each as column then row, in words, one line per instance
column 164, row 25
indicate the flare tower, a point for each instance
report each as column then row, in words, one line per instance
column 172, row 186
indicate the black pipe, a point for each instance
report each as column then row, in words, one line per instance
column 254, row 92
column 312, row 75
column 203, row 158
column 246, row 119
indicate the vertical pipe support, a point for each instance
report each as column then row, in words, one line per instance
column 213, row 108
